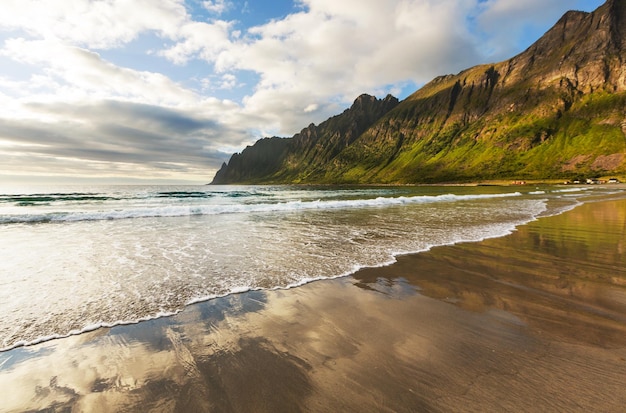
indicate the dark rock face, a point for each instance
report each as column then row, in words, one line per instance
column 584, row 48
column 556, row 110
column 277, row 159
column 261, row 159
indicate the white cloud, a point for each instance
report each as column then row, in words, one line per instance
column 93, row 24
column 199, row 40
column 229, row 81
column 74, row 74
column 311, row 108
column 217, row 6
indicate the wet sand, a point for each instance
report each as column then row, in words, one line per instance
column 532, row 322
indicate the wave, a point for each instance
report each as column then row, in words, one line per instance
column 184, row 194
column 216, row 209
column 46, row 199
column 39, row 199
column 576, row 189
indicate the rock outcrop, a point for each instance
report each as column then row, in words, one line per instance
column 280, row 159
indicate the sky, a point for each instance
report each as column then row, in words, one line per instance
column 165, row 91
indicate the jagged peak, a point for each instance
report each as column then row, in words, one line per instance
column 614, row 5
column 391, row 98
column 362, row 102
column 617, row 14
column 370, row 103
column 572, row 14
column 364, row 98
column 308, row 130
column 610, row 16
column 367, row 99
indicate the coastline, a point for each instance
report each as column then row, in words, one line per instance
column 533, row 321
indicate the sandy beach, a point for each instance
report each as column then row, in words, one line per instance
column 531, row 322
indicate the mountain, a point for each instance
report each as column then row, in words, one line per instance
column 306, row 153
column 556, row 110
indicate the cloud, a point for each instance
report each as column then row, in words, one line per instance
column 73, row 73
column 199, row 40
column 311, row 108
column 139, row 139
column 229, row 81
column 217, row 6
column 93, row 24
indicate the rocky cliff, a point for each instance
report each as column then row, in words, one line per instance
column 306, row 153
column 557, row 110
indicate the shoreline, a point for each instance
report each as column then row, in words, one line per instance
column 512, row 182
column 394, row 259
column 530, row 321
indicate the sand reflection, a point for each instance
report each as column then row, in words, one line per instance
column 565, row 275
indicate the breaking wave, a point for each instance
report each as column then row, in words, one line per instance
column 165, row 210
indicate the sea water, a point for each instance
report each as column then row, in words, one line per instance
column 73, row 259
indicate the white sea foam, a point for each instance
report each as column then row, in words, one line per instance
column 88, row 328
column 576, row 189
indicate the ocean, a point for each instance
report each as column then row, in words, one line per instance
column 74, row 259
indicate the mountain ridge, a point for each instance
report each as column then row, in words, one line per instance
column 275, row 157
column 556, row 110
